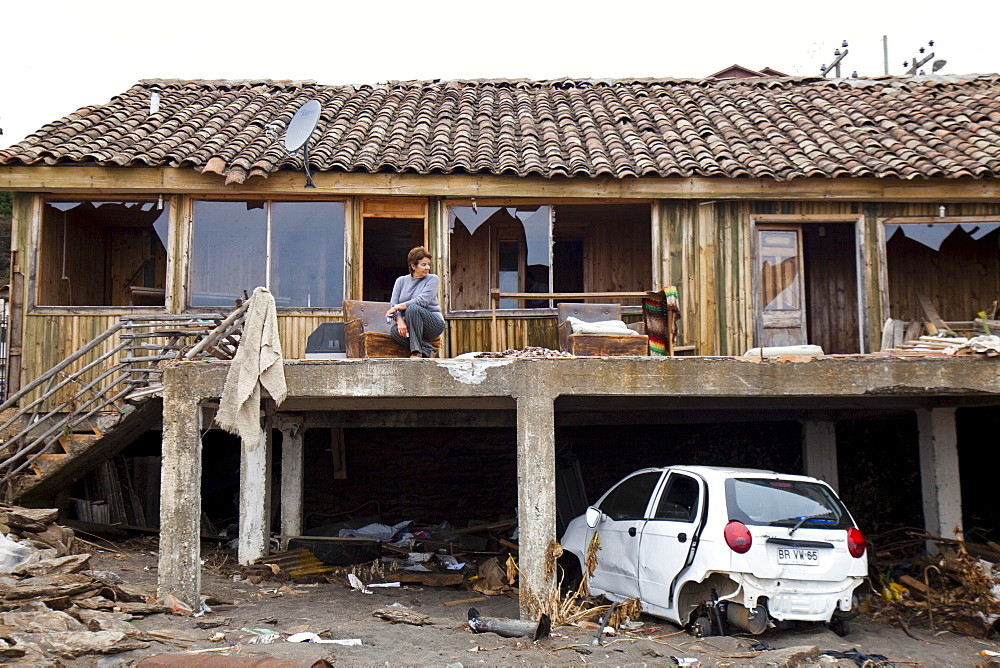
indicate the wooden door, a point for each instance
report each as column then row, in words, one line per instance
column 780, row 310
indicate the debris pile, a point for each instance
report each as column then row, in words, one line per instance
column 958, row 589
column 50, row 604
column 526, row 352
column 934, row 346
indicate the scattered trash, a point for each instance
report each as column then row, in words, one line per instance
column 492, row 579
column 959, row 589
column 401, row 615
column 357, row 584
column 308, row 636
column 384, row 584
column 177, row 606
column 858, row 657
column 510, row 628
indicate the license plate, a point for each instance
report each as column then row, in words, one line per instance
column 798, row 556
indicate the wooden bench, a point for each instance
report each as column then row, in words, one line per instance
column 366, row 333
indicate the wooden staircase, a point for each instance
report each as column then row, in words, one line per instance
column 91, row 405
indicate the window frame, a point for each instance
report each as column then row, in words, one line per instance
column 32, row 307
column 445, row 217
column 185, row 305
column 883, row 250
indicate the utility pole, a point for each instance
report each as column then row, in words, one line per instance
column 824, row 70
column 921, row 60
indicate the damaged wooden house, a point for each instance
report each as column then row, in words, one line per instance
column 846, row 214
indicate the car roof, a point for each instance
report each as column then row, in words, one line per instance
column 722, row 472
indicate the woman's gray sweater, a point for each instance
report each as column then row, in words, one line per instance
column 420, row 291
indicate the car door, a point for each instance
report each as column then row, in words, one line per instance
column 667, row 539
column 623, row 514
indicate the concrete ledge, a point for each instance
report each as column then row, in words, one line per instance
column 859, row 377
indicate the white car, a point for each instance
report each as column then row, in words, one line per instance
column 715, row 548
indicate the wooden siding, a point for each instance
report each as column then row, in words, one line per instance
column 473, row 334
column 706, row 253
column 49, row 339
column 294, row 330
column 704, row 249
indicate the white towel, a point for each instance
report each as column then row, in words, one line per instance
column 258, row 362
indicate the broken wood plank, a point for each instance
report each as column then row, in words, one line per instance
column 460, row 601
column 931, row 313
column 427, row 579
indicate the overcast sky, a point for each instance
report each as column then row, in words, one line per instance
column 58, row 55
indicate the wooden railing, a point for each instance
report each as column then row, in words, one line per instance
column 122, row 364
column 496, row 296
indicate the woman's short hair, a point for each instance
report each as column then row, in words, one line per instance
column 416, row 255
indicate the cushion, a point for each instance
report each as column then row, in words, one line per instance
column 600, row 327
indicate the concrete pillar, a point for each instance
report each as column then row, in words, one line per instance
column 255, row 496
column 180, row 501
column 819, row 451
column 939, row 472
column 536, row 494
column 292, row 475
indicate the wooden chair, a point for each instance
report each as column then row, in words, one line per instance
column 366, row 332
column 599, row 345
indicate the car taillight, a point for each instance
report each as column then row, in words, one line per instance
column 738, row 537
column 855, row 542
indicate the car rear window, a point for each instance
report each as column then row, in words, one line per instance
column 784, row 503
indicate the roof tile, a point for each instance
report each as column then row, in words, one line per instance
column 780, row 128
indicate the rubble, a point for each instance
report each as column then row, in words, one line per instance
column 954, row 590
column 930, row 346
column 50, row 605
column 526, row 352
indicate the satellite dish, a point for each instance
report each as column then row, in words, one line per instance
column 937, row 65
column 302, row 125
column 297, row 134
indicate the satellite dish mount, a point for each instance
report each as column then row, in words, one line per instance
column 298, row 133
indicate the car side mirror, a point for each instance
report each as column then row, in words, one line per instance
column 594, row 517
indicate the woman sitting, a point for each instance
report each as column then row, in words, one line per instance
column 414, row 306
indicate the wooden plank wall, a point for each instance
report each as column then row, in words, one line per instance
column 706, row 253
column 48, row 339
column 473, row 334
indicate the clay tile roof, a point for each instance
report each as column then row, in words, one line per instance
column 767, row 127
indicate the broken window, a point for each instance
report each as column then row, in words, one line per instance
column 547, row 248
column 955, row 264
column 102, row 253
column 295, row 249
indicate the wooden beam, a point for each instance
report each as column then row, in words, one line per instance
column 130, row 180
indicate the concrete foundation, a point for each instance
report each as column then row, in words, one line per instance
column 292, row 472
column 819, row 451
column 179, row 570
column 819, row 391
column 939, row 472
column 255, row 496
column 536, row 506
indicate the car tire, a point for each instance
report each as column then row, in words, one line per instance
column 839, row 626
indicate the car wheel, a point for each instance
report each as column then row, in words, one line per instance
column 702, row 627
column 839, row 626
